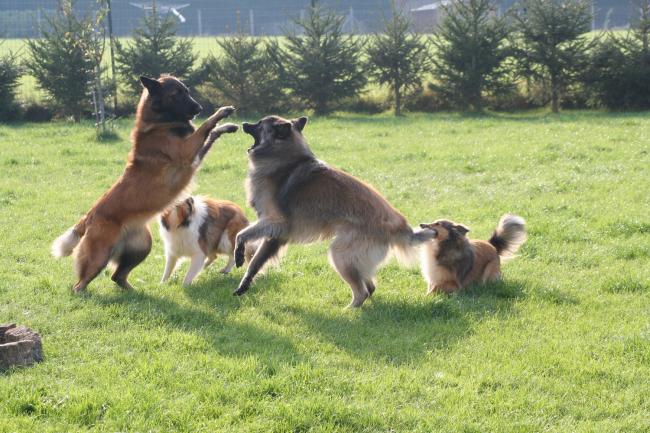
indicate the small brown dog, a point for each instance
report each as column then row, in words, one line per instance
column 166, row 152
column 201, row 228
column 451, row 261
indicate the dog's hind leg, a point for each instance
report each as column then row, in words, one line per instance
column 266, row 251
column 356, row 261
column 231, row 263
column 196, row 264
column 136, row 248
column 94, row 252
column 492, row 271
column 370, row 285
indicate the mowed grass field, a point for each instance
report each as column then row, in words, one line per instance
column 561, row 345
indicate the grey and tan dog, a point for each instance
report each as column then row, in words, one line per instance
column 299, row 199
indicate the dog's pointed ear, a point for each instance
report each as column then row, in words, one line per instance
column 463, row 230
column 150, row 84
column 300, row 123
column 282, row 129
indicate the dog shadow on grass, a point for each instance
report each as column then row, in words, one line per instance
column 391, row 330
column 405, row 330
column 211, row 320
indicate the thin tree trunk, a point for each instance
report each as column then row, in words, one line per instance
column 555, row 95
column 398, row 101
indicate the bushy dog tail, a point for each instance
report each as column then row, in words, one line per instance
column 66, row 243
column 509, row 235
column 406, row 250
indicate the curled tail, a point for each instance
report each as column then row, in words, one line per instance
column 65, row 244
column 406, row 247
column 509, row 235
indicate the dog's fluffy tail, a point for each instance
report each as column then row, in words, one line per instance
column 66, row 243
column 406, row 250
column 509, row 235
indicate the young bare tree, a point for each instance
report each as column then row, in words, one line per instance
column 552, row 44
column 397, row 57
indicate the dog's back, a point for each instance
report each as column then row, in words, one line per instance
column 223, row 221
column 323, row 202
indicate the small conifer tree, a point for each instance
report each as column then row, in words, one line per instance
column 10, row 72
column 319, row 64
column 619, row 68
column 552, row 45
column 155, row 50
column 397, row 57
column 245, row 75
column 470, row 51
column 62, row 60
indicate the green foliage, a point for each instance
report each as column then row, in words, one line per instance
column 319, row 64
column 10, row 72
column 397, row 57
column 64, row 61
column 470, row 52
column 245, row 75
column 561, row 345
column 551, row 43
column 155, row 50
column 619, row 68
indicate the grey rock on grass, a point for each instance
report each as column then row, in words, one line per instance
column 19, row 346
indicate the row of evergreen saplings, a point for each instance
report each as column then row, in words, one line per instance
column 475, row 60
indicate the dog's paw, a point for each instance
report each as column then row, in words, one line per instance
column 240, row 291
column 227, row 128
column 226, row 111
column 240, row 255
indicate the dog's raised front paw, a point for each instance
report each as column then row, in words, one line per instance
column 226, row 111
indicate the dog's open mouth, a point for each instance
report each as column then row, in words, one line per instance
column 255, row 145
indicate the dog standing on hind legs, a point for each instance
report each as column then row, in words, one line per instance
column 300, row 199
column 166, row 152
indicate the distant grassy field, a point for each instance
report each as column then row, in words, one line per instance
column 562, row 345
column 28, row 90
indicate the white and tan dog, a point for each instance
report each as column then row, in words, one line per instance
column 201, row 228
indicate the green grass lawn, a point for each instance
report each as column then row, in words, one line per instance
column 562, row 345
